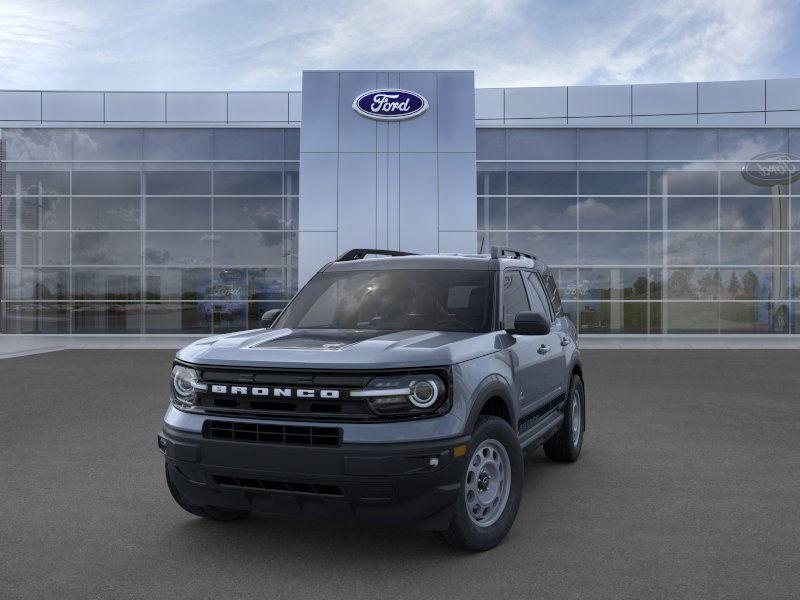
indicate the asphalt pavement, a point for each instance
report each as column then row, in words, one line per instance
column 687, row 487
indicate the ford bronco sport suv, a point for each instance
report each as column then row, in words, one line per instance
column 402, row 387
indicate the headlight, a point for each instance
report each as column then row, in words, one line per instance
column 185, row 383
column 404, row 395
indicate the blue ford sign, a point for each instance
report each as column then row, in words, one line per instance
column 772, row 168
column 390, row 105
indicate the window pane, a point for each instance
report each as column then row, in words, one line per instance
column 691, row 317
column 684, row 183
column 229, row 316
column 250, row 183
column 36, row 183
column 693, row 284
column 692, row 248
column 174, row 212
column 8, row 214
column 613, row 182
column 492, row 213
column 755, row 283
column 490, row 144
column 613, row 284
column 682, row 144
column 107, row 318
column 613, row 317
column 291, row 144
column 105, row 213
column 754, row 213
column 542, row 213
column 552, row 248
column 107, row 144
column 118, row 183
column 541, row 144
column 248, row 144
column 178, row 183
column 515, row 298
column 749, row 248
column 176, row 317
column 177, row 284
column 613, row 248
column 248, row 213
column 612, row 213
column 178, row 248
column 746, row 144
column 608, row 144
column 105, row 248
column 45, row 248
column 38, row 144
column 44, row 212
column 291, row 178
column 749, row 317
column 36, row 284
column 178, row 144
column 733, row 182
column 267, row 284
column 491, row 179
column 106, row 284
column 523, row 182
column 692, row 213
column 253, row 248
column 34, row 317
column 656, row 213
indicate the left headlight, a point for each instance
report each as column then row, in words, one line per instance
column 405, row 395
column 185, row 384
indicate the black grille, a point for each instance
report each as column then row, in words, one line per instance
column 319, row 489
column 273, row 434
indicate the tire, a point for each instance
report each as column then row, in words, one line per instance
column 566, row 444
column 494, row 443
column 214, row 513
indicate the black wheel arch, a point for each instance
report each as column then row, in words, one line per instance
column 494, row 397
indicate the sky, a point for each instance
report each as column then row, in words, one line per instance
column 265, row 45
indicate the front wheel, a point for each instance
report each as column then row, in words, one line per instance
column 566, row 444
column 491, row 488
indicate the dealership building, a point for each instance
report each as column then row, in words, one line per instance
column 664, row 209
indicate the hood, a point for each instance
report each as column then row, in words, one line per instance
column 340, row 348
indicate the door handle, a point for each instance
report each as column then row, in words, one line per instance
column 565, row 341
column 543, row 349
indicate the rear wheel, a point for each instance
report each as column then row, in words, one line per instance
column 215, row 513
column 491, row 488
column 565, row 445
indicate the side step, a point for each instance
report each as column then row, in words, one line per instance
column 539, row 433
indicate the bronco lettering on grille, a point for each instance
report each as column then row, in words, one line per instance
column 275, row 392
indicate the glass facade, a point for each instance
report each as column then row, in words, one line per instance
column 650, row 230
column 146, row 230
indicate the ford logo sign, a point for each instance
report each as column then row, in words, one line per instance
column 390, row 105
column 772, row 168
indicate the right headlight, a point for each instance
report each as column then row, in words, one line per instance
column 185, row 384
column 404, row 395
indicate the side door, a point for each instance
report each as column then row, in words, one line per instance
column 527, row 360
column 554, row 361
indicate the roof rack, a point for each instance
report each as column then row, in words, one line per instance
column 359, row 253
column 505, row 251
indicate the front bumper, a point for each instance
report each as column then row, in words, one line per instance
column 396, row 482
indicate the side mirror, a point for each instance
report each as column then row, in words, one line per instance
column 268, row 318
column 531, row 323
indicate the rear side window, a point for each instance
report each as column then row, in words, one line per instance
column 552, row 291
column 515, row 298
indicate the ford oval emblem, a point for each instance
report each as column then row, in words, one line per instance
column 772, row 168
column 390, row 105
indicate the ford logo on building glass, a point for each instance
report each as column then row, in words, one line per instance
column 390, row 105
column 772, row 168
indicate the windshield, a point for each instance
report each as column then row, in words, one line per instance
column 393, row 300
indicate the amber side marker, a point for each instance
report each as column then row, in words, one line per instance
column 460, row 450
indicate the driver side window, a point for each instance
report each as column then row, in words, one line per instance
column 515, row 298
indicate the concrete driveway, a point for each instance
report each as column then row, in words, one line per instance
column 688, row 487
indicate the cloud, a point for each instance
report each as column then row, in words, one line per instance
column 212, row 44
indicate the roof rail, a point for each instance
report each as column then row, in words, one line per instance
column 505, row 251
column 359, row 253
